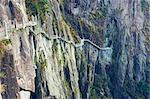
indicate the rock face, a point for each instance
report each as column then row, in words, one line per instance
column 74, row 49
column 128, row 31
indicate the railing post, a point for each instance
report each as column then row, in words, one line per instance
column 23, row 22
column 16, row 24
column 6, row 29
column 82, row 42
column 1, row 24
column 32, row 17
column 35, row 18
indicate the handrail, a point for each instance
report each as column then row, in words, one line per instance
column 70, row 42
column 9, row 26
column 40, row 31
column 89, row 41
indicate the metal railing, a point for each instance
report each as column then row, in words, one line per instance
column 40, row 31
column 8, row 27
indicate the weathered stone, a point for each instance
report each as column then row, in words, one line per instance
column 51, row 59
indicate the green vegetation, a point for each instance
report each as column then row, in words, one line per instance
column 54, row 48
column 65, row 83
column 92, row 28
column 37, row 7
column 62, row 2
column 96, row 15
column 42, row 61
column 3, row 45
column 55, row 25
column 67, row 88
column 99, row 86
column 93, row 94
column 143, row 4
column 2, row 74
column 100, row 13
column 83, row 62
column 100, row 81
column 136, row 89
column 31, row 7
column 2, row 88
column 2, row 49
column 89, row 66
column 74, row 35
column 60, row 59
column 143, row 87
column 6, row 42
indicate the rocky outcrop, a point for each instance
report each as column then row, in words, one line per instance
column 74, row 49
column 126, row 30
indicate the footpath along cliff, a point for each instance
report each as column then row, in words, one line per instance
column 74, row 49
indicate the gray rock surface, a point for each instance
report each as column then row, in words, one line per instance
column 75, row 49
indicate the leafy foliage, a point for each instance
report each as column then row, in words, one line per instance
column 2, row 88
column 35, row 7
column 3, row 45
column 42, row 61
column 93, row 94
column 2, row 74
column 99, row 88
column 143, row 4
column 136, row 89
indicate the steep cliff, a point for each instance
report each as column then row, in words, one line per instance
column 74, row 49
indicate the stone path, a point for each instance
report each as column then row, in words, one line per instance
column 5, row 33
column 6, row 28
column 67, row 41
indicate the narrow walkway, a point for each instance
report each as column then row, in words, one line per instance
column 8, row 27
column 40, row 31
